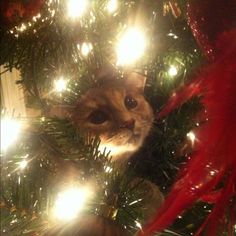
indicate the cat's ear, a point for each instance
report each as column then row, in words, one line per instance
column 136, row 80
column 105, row 73
column 61, row 111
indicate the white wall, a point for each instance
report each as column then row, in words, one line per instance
column 12, row 96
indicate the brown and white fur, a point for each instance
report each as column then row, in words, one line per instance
column 118, row 113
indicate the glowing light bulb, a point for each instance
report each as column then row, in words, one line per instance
column 131, row 46
column 36, row 17
column 112, row 6
column 10, row 130
column 173, row 35
column 108, row 169
column 172, row 71
column 138, row 224
column 86, row 48
column 191, row 136
column 60, row 85
column 22, row 27
column 70, row 202
column 23, row 164
column 76, row 8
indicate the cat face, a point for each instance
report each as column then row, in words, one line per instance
column 118, row 113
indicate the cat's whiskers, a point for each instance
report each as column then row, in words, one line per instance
column 120, row 137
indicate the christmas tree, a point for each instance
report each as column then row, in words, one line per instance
column 57, row 180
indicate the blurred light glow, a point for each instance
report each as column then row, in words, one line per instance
column 86, row 48
column 131, row 46
column 23, row 164
column 138, row 224
column 22, row 27
column 70, row 202
column 172, row 35
column 112, row 6
column 191, row 136
column 172, row 71
column 10, row 130
column 92, row 17
column 60, row 85
column 76, row 8
column 108, row 169
column 36, row 17
column 115, row 150
column 135, row 201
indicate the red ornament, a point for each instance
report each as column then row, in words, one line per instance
column 213, row 164
column 14, row 12
column 214, row 161
column 208, row 20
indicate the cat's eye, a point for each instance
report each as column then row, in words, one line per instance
column 98, row 117
column 130, row 102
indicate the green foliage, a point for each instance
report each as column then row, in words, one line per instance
column 54, row 149
column 48, row 50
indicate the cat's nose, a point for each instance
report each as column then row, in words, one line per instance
column 128, row 124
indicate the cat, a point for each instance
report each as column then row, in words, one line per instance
column 118, row 113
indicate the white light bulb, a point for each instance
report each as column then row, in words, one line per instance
column 131, row 46
column 112, row 6
column 138, row 224
column 86, row 48
column 10, row 130
column 70, row 202
column 108, row 169
column 60, row 85
column 191, row 136
column 172, row 71
column 22, row 27
column 23, row 164
column 76, row 8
